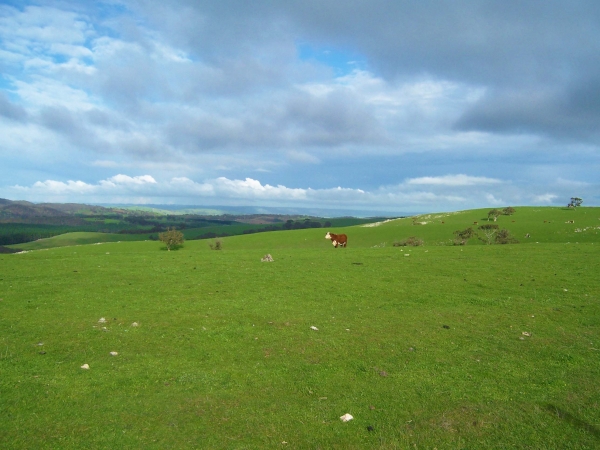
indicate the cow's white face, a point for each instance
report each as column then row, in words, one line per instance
column 328, row 236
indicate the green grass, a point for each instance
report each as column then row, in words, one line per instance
column 425, row 349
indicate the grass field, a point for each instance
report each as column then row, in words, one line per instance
column 93, row 237
column 476, row 346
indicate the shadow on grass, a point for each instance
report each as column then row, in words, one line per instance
column 174, row 248
column 572, row 420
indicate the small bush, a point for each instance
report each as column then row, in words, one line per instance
column 489, row 232
column 461, row 237
column 504, row 237
column 409, row 242
column 217, row 245
column 171, row 238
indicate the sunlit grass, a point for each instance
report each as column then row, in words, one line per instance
column 424, row 350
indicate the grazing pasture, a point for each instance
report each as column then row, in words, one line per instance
column 475, row 346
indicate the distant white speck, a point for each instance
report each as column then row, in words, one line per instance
column 346, row 417
column 113, row 353
column 85, row 366
column 314, row 328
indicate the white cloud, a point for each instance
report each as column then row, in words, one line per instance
column 236, row 190
column 59, row 188
column 127, row 180
column 544, row 198
column 453, row 180
column 492, row 200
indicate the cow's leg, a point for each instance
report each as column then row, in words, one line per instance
column 334, row 242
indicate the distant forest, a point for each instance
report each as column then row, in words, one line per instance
column 22, row 222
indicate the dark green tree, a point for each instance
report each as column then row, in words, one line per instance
column 494, row 213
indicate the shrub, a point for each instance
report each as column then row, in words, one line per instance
column 409, row 242
column 508, row 211
column 504, row 237
column 461, row 237
column 172, row 238
column 489, row 232
column 217, row 245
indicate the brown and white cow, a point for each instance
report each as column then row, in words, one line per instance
column 337, row 239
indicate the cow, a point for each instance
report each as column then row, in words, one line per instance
column 337, row 239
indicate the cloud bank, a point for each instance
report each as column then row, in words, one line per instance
column 395, row 99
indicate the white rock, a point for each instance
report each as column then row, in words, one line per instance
column 134, row 324
column 114, row 353
column 314, row 328
column 102, row 320
column 85, row 366
column 346, row 417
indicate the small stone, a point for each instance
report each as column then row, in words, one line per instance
column 346, row 417
column 85, row 366
column 113, row 353
column 314, row 328
column 525, row 333
column 134, row 324
column 102, row 320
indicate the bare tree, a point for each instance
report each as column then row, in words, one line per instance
column 489, row 233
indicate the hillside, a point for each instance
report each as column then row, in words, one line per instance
column 128, row 345
column 27, row 223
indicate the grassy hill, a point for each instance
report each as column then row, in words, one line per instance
column 475, row 346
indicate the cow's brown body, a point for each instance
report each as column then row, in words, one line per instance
column 337, row 239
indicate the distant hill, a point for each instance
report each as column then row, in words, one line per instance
column 26, row 210
column 22, row 222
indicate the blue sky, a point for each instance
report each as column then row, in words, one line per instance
column 394, row 106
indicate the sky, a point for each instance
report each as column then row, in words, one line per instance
column 382, row 105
